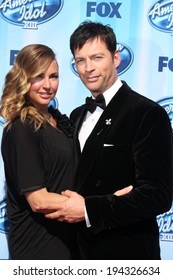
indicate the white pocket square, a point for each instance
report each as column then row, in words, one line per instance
column 108, row 145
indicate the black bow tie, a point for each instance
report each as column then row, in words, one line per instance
column 91, row 103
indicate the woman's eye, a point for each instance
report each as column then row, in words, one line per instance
column 54, row 76
column 39, row 77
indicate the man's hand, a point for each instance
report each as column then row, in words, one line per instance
column 71, row 211
column 124, row 191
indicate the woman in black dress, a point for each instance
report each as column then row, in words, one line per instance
column 37, row 149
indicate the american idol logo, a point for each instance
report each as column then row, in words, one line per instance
column 126, row 55
column 2, row 121
column 4, row 223
column 29, row 13
column 160, row 15
column 167, row 104
column 165, row 223
column 54, row 103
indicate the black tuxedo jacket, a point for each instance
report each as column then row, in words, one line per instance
column 131, row 144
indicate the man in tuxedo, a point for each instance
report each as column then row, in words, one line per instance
column 122, row 139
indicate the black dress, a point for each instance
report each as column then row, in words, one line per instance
column 33, row 160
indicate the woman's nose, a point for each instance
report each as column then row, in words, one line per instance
column 46, row 83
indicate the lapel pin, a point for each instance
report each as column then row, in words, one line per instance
column 108, row 121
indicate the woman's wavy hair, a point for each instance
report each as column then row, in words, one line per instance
column 30, row 62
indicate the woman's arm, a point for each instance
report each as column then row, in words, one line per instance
column 41, row 200
column 72, row 210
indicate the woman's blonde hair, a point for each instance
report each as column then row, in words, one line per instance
column 30, row 62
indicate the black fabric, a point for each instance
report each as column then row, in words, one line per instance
column 131, row 144
column 91, row 103
column 64, row 123
column 34, row 160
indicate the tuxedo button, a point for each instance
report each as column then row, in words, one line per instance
column 98, row 183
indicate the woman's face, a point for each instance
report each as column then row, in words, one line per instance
column 44, row 87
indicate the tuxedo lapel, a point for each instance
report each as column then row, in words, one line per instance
column 78, row 123
column 108, row 116
column 97, row 136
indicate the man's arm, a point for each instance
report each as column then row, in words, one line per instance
column 72, row 210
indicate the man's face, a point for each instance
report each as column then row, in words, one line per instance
column 96, row 66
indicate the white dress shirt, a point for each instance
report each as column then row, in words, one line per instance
column 90, row 121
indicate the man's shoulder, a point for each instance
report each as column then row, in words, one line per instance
column 138, row 98
column 77, row 111
column 140, row 104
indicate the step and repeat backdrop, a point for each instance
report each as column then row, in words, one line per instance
column 144, row 32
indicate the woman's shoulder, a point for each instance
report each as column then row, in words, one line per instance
column 19, row 126
column 64, row 123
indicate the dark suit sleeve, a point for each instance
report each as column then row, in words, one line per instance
column 152, row 193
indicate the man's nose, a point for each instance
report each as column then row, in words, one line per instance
column 89, row 66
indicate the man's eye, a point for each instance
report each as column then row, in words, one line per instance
column 79, row 61
column 97, row 57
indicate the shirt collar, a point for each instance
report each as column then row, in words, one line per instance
column 108, row 94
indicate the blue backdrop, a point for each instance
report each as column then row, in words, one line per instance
column 144, row 32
